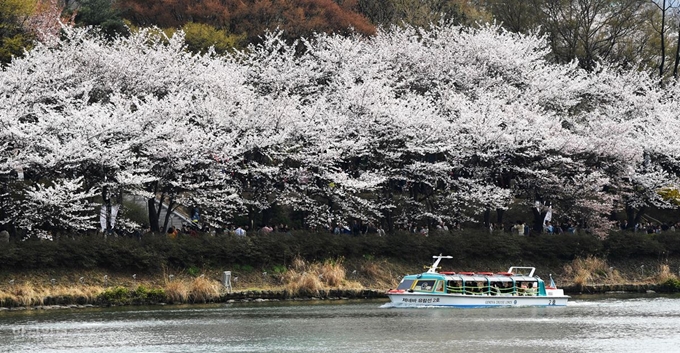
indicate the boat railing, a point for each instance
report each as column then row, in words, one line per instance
column 458, row 290
column 514, row 270
column 529, row 291
column 506, row 291
column 496, row 291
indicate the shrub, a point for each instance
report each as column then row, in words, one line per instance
column 671, row 285
column 279, row 269
column 627, row 245
column 153, row 253
column 193, row 271
column 117, row 296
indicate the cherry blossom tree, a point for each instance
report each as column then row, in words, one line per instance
column 409, row 127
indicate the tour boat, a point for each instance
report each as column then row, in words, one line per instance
column 517, row 287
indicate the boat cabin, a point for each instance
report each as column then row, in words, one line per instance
column 474, row 283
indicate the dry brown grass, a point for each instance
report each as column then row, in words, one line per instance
column 332, row 273
column 664, row 274
column 305, row 278
column 298, row 264
column 204, row 290
column 176, row 291
column 377, row 274
column 29, row 294
column 23, row 294
column 307, row 283
column 591, row 270
column 89, row 292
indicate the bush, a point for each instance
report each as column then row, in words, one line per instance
column 628, row 245
column 115, row 296
column 277, row 250
column 671, row 285
column 146, row 295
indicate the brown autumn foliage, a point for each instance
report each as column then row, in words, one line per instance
column 251, row 17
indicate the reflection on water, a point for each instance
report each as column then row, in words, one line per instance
column 588, row 324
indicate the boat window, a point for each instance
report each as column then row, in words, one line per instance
column 405, row 284
column 531, row 289
column 526, row 288
column 440, row 286
column 454, row 287
column 425, row 284
column 472, row 287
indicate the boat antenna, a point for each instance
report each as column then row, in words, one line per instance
column 433, row 269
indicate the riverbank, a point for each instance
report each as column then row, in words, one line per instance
column 302, row 280
column 332, row 279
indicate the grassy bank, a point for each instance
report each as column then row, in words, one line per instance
column 328, row 279
column 332, row 278
column 118, row 271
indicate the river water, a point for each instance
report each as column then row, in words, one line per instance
column 587, row 324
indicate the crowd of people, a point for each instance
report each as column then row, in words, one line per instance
column 358, row 228
column 649, row 227
column 194, row 230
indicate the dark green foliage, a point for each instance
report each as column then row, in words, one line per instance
column 669, row 241
column 276, row 250
column 103, row 14
column 193, row 271
column 671, row 285
column 123, row 296
column 146, row 295
column 564, row 247
column 14, row 37
column 115, row 296
column 628, row 245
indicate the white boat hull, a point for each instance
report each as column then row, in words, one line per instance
column 474, row 301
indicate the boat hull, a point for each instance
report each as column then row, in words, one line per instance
column 473, row 301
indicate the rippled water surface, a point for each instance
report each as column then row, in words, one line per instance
column 587, row 324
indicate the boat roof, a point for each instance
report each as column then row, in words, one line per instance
column 515, row 273
column 472, row 277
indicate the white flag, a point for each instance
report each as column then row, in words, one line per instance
column 102, row 216
column 548, row 215
column 114, row 213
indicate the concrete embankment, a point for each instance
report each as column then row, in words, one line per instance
column 71, row 302
column 283, row 295
column 614, row 288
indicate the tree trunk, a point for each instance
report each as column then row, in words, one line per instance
column 677, row 56
column 171, row 204
column 663, row 39
column 153, row 219
column 107, row 213
column 153, row 214
column 387, row 213
column 634, row 216
column 499, row 217
column 539, row 216
column 160, row 207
